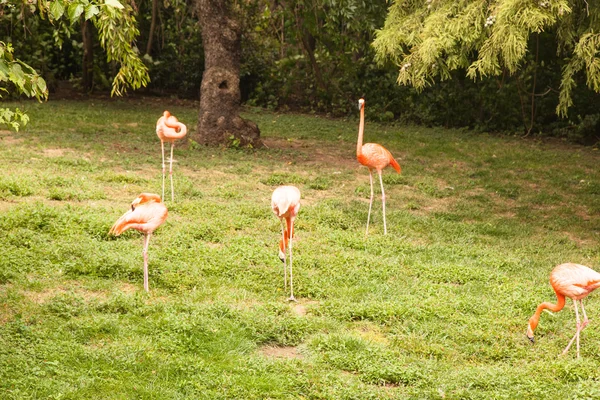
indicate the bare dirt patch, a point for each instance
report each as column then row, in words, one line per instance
column 47, row 294
column 314, row 152
column 128, row 288
column 300, row 307
column 8, row 138
column 54, row 152
column 289, row 352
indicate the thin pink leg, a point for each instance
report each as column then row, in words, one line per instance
column 171, row 172
column 284, row 258
column 383, row 201
column 145, row 253
column 576, row 336
column 292, row 298
column 585, row 318
column 370, row 201
column 162, row 147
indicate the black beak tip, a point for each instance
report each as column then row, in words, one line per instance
column 531, row 339
column 282, row 259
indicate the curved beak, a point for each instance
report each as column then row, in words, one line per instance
column 530, row 333
column 281, row 256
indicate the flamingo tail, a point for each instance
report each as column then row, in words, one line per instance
column 395, row 165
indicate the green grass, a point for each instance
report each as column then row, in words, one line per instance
column 438, row 308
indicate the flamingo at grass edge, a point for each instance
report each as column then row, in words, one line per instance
column 568, row 280
column 373, row 156
column 285, row 203
column 169, row 129
column 147, row 213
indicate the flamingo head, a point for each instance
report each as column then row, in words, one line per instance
column 166, row 114
column 530, row 332
column 361, row 103
column 145, row 198
column 282, row 249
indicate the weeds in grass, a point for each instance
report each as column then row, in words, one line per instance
column 436, row 309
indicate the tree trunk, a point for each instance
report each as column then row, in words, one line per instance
column 88, row 56
column 152, row 26
column 219, row 121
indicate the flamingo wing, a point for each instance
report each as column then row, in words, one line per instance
column 285, row 200
column 376, row 156
column 145, row 217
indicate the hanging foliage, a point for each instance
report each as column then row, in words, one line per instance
column 430, row 39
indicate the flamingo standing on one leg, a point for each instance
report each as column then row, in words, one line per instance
column 285, row 203
column 574, row 281
column 169, row 129
column 373, row 156
column 147, row 213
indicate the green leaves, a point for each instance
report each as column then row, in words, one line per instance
column 56, row 9
column 429, row 39
column 75, row 10
column 114, row 3
column 25, row 79
column 117, row 29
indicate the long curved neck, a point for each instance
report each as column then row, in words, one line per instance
column 533, row 321
column 361, row 130
column 180, row 130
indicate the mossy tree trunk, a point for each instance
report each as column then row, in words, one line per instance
column 219, row 122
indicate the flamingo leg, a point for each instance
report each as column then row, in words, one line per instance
column 383, row 201
column 284, row 260
column 585, row 318
column 162, row 147
column 145, row 254
column 171, row 172
column 370, row 201
column 292, row 298
column 576, row 336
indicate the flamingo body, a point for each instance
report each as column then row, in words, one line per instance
column 375, row 157
column 285, row 203
column 574, row 281
column 147, row 213
column 169, row 129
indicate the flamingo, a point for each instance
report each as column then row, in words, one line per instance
column 568, row 280
column 373, row 156
column 147, row 213
column 169, row 129
column 285, row 203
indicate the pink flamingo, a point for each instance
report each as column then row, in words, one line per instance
column 373, row 156
column 574, row 281
column 169, row 129
column 147, row 213
column 285, row 203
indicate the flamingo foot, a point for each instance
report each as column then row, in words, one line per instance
column 584, row 324
column 292, row 298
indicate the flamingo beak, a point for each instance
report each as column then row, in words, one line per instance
column 281, row 256
column 530, row 334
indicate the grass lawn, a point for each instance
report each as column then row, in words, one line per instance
column 438, row 308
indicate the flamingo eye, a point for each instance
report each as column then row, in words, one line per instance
column 132, row 208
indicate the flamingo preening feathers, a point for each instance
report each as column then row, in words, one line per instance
column 568, row 280
column 169, row 129
column 285, row 203
column 147, row 213
column 375, row 157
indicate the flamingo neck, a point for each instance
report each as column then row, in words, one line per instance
column 361, row 130
column 533, row 321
